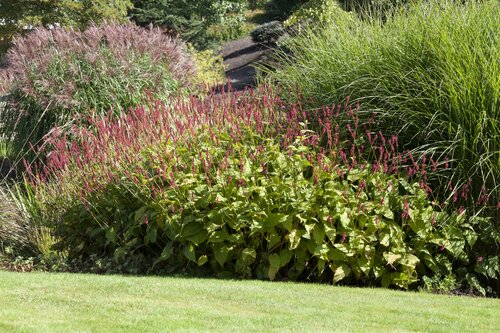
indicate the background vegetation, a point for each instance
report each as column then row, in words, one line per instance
column 201, row 23
column 54, row 76
column 141, row 171
column 21, row 16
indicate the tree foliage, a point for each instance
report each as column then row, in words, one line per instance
column 281, row 9
column 189, row 18
column 20, row 15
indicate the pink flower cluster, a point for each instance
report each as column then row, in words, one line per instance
column 142, row 144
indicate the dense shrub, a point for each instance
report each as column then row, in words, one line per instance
column 232, row 184
column 318, row 13
column 268, row 33
column 201, row 23
column 20, row 15
column 218, row 34
column 52, row 76
column 281, row 9
column 210, row 67
column 431, row 72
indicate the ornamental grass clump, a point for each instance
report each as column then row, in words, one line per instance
column 430, row 71
column 246, row 185
column 54, row 76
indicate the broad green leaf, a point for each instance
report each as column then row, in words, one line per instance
column 345, row 220
column 220, row 198
column 275, row 261
column 401, row 279
column 321, row 266
column 391, row 258
column 443, row 261
column 189, row 252
column 419, row 226
column 294, row 238
column 430, row 262
column 272, row 238
column 274, row 219
column 215, row 217
column 345, row 248
column 378, row 270
column 248, row 256
column 256, row 226
column 139, row 214
column 190, row 229
column 341, row 272
column 309, row 228
column 474, row 282
column 167, row 251
column 456, row 241
column 194, row 232
column 318, row 234
column 364, row 264
column 217, row 237
column 236, row 238
column 151, row 235
column 387, row 213
column 244, row 261
column 202, row 260
column 330, row 232
column 470, row 236
column 427, row 215
column 489, row 267
column 285, row 257
column 287, row 224
column 387, row 280
column 409, row 260
column 357, row 243
column 271, row 272
column 220, row 253
column 336, row 255
column 322, row 251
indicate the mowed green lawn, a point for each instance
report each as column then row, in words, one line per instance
column 46, row 302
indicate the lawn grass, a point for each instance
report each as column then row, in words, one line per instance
column 49, row 302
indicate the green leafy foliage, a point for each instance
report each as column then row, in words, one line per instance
column 229, row 195
column 193, row 20
column 210, row 67
column 318, row 13
column 281, row 9
column 279, row 225
column 22, row 15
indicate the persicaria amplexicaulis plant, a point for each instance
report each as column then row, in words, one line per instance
column 244, row 182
